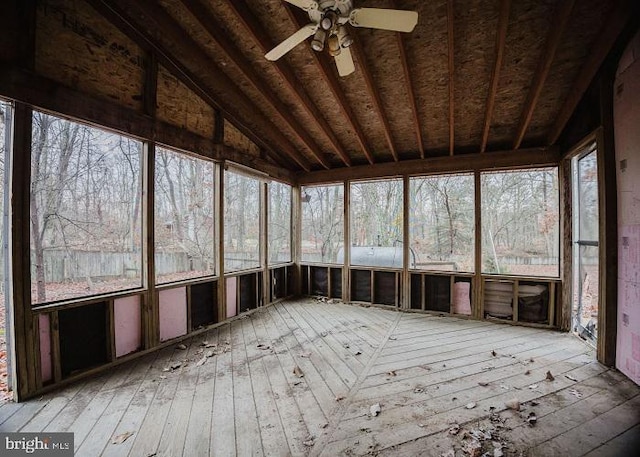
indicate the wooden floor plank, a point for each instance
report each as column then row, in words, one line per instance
column 310, row 350
column 342, row 368
column 246, row 421
column 146, row 440
column 423, row 370
column 274, row 438
column 198, row 435
column 223, row 431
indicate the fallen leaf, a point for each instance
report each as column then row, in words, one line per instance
column 391, row 373
column 298, row 372
column 325, row 425
column 470, row 405
column 454, row 429
column 211, row 345
column 527, row 372
column 504, row 386
column 513, row 404
column 531, row 360
column 305, row 355
column 176, row 365
column 264, row 347
column 483, row 383
column 575, row 393
column 201, row 361
column 571, row 378
column 340, row 398
column 209, row 354
column 358, row 353
column 393, row 338
column 204, row 343
column 533, row 386
column 550, row 376
column 182, row 347
column 119, row 439
column 532, row 419
column 309, row 442
column 375, row 409
column 323, row 334
column 493, row 353
column 418, row 390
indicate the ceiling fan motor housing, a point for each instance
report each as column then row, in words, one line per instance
column 341, row 7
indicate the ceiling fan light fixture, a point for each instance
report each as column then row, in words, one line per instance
column 345, row 38
column 329, row 20
column 317, row 44
column 333, row 42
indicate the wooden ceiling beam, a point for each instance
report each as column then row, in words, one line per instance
column 357, row 50
column 115, row 13
column 561, row 17
column 202, row 14
column 329, row 74
column 260, row 36
column 501, row 38
column 460, row 163
column 608, row 35
column 450, row 36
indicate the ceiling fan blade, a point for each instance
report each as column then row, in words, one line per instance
column 344, row 62
column 304, row 4
column 384, row 19
column 291, row 42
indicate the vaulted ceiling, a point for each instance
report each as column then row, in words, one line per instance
column 474, row 76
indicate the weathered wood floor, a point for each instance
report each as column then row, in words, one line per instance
column 429, row 375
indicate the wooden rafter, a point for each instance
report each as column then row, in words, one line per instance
column 231, row 51
column 609, row 32
column 260, row 36
column 450, row 31
column 328, row 73
column 410, row 91
column 114, row 12
column 501, row 37
column 356, row 48
column 560, row 19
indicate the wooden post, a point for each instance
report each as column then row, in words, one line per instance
column 405, row 290
column 150, row 309
column 264, row 241
column 566, row 235
column 478, row 297
column 346, row 275
column 22, row 329
column 608, row 234
column 218, row 196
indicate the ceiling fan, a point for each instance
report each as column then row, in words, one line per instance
column 328, row 27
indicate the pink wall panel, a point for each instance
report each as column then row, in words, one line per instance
column 627, row 136
column 128, row 326
column 173, row 313
column 45, row 347
column 231, row 297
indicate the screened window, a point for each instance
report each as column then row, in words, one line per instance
column 322, row 224
column 441, row 223
column 520, row 228
column 86, row 191
column 184, row 218
column 376, row 223
column 279, row 227
column 241, row 222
